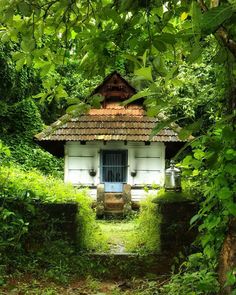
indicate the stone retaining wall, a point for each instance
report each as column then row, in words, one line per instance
column 46, row 221
column 175, row 232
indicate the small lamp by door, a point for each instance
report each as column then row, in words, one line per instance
column 133, row 173
column 92, row 172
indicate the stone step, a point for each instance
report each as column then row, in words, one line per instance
column 114, row 214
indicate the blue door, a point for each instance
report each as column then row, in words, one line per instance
column 114, row 170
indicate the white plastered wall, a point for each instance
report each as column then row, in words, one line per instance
column 148, row 161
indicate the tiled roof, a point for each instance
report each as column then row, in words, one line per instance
column 111, row 122
column 115, row 123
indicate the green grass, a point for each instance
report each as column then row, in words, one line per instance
column 118, row 234
column 170, row 197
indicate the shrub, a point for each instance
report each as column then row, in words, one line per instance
column 194, row 277
column 147, row 238
column 19, row 123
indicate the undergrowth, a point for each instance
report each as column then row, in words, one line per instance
column 19, row 192
column 147, row 229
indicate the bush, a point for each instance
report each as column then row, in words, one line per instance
column 147, row 238
column 19, row 123
column 194, row 277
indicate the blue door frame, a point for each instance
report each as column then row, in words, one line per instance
column 114, row 169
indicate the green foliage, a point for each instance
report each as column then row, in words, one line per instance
column 15, row 85
column 21, row 118
column 168, row 197
column 22, row 188
column 165, row 47
column 19, row 123
column 194, row 278
column 147, row 237
column 4, row 154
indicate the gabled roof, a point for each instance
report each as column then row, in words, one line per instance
column 112, row 122
column 114, row 79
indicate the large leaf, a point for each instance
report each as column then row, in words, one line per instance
column 214, row 17
column 196, row 18
column 159, row 45
column 132, row 58
column 184, row 134
column 145, row 73
column 160, row 126
column 138, row 95
column 167, row 38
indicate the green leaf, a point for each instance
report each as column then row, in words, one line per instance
column 214, row 17
column 19, row 64
column 144, row 58
column 167, row 38
column 96, row 100
column 45, row 69
column 195, row 54
column 196, row 17
column 187, row 160
column 221, row 56
column 138, row 95
column 230, row 154
column 184, row 134
column 195, row 172
column 194, row 219
column 159, row 45
column 5, row 37
column 17, row 55
column 199, row 154
column 132, row 58
column 39, row 95
column 25, row 8
column 160, row 126
column 145, row 73
column 231, row 169
column 209, row 251
column 185, row 34
column 60, row 92
column 231, row 278
column 225, row 193
column 231, row 206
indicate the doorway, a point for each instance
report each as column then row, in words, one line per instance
column 114, row 169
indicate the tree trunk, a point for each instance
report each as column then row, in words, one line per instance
column 227, row 261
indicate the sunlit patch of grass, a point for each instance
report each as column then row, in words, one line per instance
column 119, row 234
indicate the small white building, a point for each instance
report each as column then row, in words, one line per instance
column 112, row 145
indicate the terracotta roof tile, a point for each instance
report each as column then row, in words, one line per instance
column 99, row 127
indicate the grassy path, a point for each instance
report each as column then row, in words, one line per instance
column 119, row 235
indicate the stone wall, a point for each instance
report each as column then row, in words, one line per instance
column 175, row 232
column 55, row 219
column 46, row 221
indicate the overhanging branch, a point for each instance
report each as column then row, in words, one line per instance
column 221, row 33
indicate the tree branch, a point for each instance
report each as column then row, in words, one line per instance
column 221, row 33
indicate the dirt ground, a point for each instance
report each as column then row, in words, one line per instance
column 90, row 286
